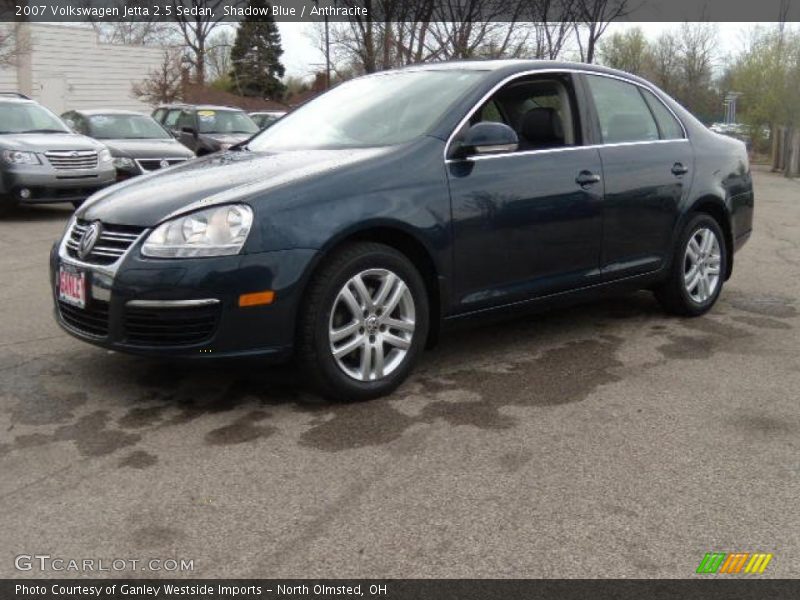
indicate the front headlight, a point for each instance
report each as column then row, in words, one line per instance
column 16, row 157
column 104, row 155
column 123, row 162
column 220, row 231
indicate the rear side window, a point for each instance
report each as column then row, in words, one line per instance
column 623, row 114
column 667, row 123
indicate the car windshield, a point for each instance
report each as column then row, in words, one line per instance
column 125, row 127
column 378, row 110
column 26, row 117
column 225, row 121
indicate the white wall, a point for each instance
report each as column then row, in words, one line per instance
column 70, row 69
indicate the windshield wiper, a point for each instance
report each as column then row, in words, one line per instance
column 44, row 131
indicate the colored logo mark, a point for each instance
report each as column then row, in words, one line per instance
column 734, row 562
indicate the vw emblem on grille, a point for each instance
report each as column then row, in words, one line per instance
column 89, row 239
column 164, row 164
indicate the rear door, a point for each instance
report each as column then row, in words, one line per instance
column 647, row 168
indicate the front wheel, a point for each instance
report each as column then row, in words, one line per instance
column 698, row 269
column 364, row 323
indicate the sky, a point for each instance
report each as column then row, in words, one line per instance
column 302, row 58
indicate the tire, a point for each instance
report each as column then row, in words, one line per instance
column 377, row 348
column 693, row 287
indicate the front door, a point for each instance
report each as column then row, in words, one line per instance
column 527, row 223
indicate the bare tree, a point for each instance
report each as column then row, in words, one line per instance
column 592, row 18
column 13, row 43
column 163, row 84
column 551, row 22
column 663, row 63
column 696, row 60
column 8, row 45
column 218, row 64
column 136, row 33
column 196, row 20
column 418, row 31
column 144, row 31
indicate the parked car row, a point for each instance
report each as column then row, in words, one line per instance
column 49, row 159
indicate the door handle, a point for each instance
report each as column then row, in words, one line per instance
column 679, row 169
column 586, row 178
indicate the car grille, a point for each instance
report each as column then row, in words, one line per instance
column 170, row 326
column 92, row 320
column 153, row 164
column 114, row 241
column 66, row 160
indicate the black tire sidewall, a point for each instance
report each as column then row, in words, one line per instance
column 700, row 221
column 336, row 383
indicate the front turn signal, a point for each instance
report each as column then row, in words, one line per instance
column 257, row 298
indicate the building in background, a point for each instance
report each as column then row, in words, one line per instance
column 66, row 67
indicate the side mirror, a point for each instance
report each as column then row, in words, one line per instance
column 189, row 130
column 488, row 137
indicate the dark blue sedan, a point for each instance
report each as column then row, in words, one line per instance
column 347, row 233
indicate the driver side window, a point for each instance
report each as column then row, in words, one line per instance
column 540, row 109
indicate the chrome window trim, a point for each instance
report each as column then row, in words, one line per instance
column 475, row 157
column 172, row 303
column 511, row 78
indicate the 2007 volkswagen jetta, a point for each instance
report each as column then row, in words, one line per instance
column 347, row 232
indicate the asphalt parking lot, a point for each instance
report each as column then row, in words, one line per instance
column 606, row 440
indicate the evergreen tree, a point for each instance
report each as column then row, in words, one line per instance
column 256, row 53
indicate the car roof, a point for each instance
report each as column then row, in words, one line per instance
column 198, row 107
column 14, row 100
column 511, row 66
column 107, row 111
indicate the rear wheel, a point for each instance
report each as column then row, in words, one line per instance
column 364, row 323
column 698, row 269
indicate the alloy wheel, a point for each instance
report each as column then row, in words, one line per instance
column 371, row 324
column 701, row 265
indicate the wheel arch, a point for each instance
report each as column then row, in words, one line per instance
column 410, row 245
column 716, row 207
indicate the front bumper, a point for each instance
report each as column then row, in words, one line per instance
column 188, row 307
column 47, row 185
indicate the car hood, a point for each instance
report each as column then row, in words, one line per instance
column 155, row 148
column 146, row 200
column 42, row 142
